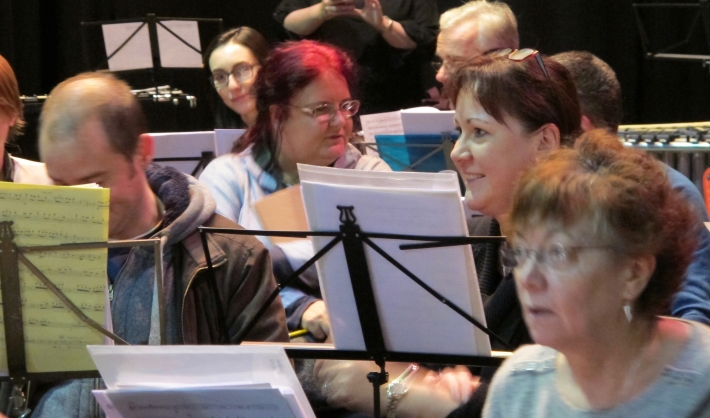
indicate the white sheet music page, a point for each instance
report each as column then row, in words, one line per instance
column 134, row 369
column 398, row 203
column 171, row 145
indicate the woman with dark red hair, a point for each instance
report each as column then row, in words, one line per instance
column 304, row 116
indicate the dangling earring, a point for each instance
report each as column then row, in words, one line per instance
column 627, row 311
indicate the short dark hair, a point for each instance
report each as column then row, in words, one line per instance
column 224, row 117
column 597, row 86
column 520, row 89
column 289, row 69
column 10, row 102
column 625, row 199
column 76, row 100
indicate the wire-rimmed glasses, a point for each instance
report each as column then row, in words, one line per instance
column 556, row 257
column 325, row 112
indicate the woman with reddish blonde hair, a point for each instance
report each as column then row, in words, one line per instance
column 600, row 245
column 15, row 169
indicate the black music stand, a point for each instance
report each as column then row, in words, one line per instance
column 666, row 53
column 202, row 161
column 10, row 257
column 354, row 241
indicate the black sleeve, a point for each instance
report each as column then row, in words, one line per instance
column 287, row 6
column 422, row 24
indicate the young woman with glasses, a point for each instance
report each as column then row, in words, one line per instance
column 233, row 60
column 304, row 116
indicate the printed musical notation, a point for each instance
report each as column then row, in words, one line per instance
column 51, row 215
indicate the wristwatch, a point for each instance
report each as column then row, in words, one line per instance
column 398, row 388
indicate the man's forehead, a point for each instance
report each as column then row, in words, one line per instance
column 461, row 41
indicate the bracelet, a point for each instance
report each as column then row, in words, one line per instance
column 389, row 25
column 398, row 388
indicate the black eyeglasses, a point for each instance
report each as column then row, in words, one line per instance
column 521, row 55
column 241, row 72
column 325, row 112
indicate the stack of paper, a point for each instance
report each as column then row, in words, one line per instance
column 199, row 382
column 398, row 203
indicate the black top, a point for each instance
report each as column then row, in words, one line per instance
column 391, row 78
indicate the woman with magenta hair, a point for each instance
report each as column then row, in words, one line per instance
column 305, row 113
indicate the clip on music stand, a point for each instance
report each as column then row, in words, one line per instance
column 354, row 241
column 665, row 53
column 10, row 257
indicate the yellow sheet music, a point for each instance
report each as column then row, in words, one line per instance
column 47, row 215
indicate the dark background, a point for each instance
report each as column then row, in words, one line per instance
column 42, row 41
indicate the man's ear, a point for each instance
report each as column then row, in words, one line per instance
column 641, row 270
column 587, row 124
column 145, row 151
column 548, row 138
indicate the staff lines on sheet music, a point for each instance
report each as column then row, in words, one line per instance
column 176, row 408
column 42, row 215
column 25, row 233
column 50, row 198
column 56, row 305
column 61, row 342
column 86, row 255
column 72, row 273
column 81, row 288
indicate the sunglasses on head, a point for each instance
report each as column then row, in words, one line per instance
column 521, row 55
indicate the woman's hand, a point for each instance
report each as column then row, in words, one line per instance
column 315, row 319
column 344, row 383
column 457, row 381
column 334, row 8
column 372, row 14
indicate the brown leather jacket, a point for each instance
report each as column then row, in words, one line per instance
column 244, row 281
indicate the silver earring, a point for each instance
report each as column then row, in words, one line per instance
column 627, row 312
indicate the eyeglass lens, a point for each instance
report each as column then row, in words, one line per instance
column 241, row 72
column 327, row 111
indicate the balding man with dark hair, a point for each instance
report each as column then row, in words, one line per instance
column 92, row 131
column 601, row 103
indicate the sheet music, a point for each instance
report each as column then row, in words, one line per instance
column 225, row 138
column 222, row 402
column 398, row 203
column 47, row 215
column 173, row 52
column 427, row 120
column 135, row 54
column 181, row 145
column 180, row 366
column 380, row 123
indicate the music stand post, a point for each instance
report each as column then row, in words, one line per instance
column 354, row 241
column 10, row 257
